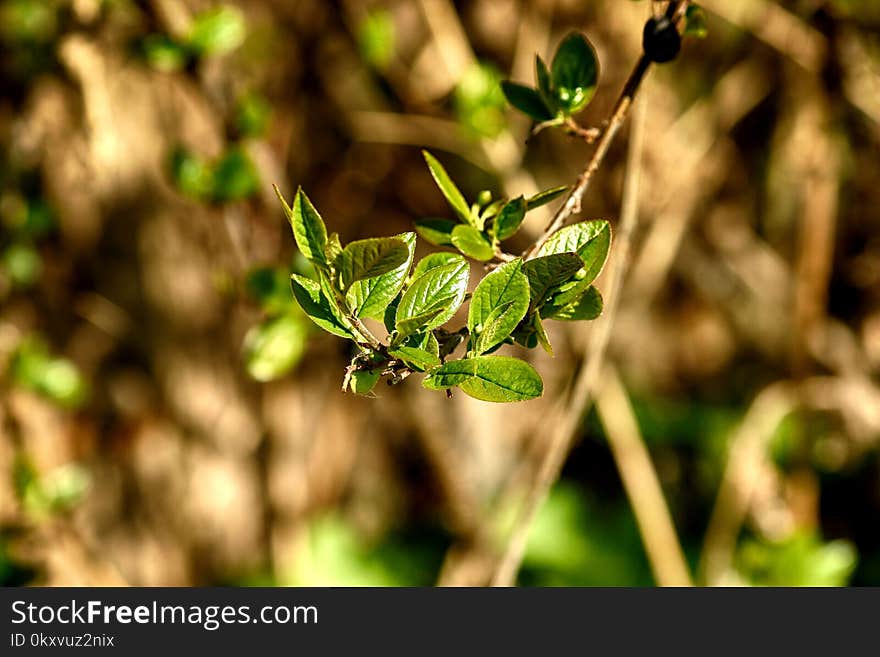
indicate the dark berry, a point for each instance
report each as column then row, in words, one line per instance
column 661, row 40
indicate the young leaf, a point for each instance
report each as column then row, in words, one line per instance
column 545, row 197
column 309, row 230
column 541, row 334
column 547, row 272
column 434, row 260
column 436, row 231
column 271, row 349
column 433, row 298
column 574, row 71
column 545, row 86
column 318, row 307
column 499, row 303
column 363, row 381
column 489, row 378
column 588, row 306
column 510, row 218
column 365, row 259
column 591, row 240
column 416, row 358
column 526, row 100
column 472, row 243
column 452, row 194
column 369, row 298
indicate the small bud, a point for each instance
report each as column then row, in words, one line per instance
column 581, row 274
column 661, row 40
column 484, row 198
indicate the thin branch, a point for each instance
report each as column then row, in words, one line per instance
column 572, row 410
column 572, row 204
column 641, row 484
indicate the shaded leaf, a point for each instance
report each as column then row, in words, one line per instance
column 416, row 358
column 541, row 334
column 489, row 378
column 472, row 243
column 370, row 298
column 588, row 306
column 433, row 298
column 591, row 240
column 545, row 86
column 548, row 272
column 309, row 230
column 318, row 307
column 498, row 304
column 436, row 231
column 452, row 194
column 510, row 218
column 526, row 100
column 574, row 72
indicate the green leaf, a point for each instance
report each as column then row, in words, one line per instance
column 318, row 307
column 591, row 240
column 510, row 218
column 433, row 260
column 695, row 22
column 575, row 72
column 541, row 334
column 436, row 231
column 472, row 243
column 588, row 306
column 416, row 358
column 363, row 381
column 217, row 31
column 369, row 298
column 432, row 298
column 547, row 272
column 545, row 197
column 369, row 258
column 309, row 230
column 377, row 38
column 489, row 378
column 273, row 348
column 545, row 86
column 164, row 53
column 498, row 304
column 526, row 100
column 452, row 194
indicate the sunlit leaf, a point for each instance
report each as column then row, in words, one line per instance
column 315, row 303
column 452, row 194
column 432, row 298
column 273, row 348
column 472, row 243
column 488, row 378
column 510, row 218
column 498, row 304
column 370, row 298
column 574, row 73
column 309, row 230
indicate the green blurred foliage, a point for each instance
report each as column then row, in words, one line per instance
column 57, row 491
column 377, row 39
column 233, row 177
column 478, row 100
column 801, row 560
column 34, row 368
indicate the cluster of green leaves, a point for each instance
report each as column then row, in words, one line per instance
column 563, row 89
column 232, row 177
column 213, row 32
column 377, row 279
column 802, row 559
column 479, row 227
column 478, row 102
column 34, row 368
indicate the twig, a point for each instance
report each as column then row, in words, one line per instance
column 572, row 410
column 641, row 484
column 621, row 109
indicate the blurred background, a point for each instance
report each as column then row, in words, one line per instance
column 169, row 417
